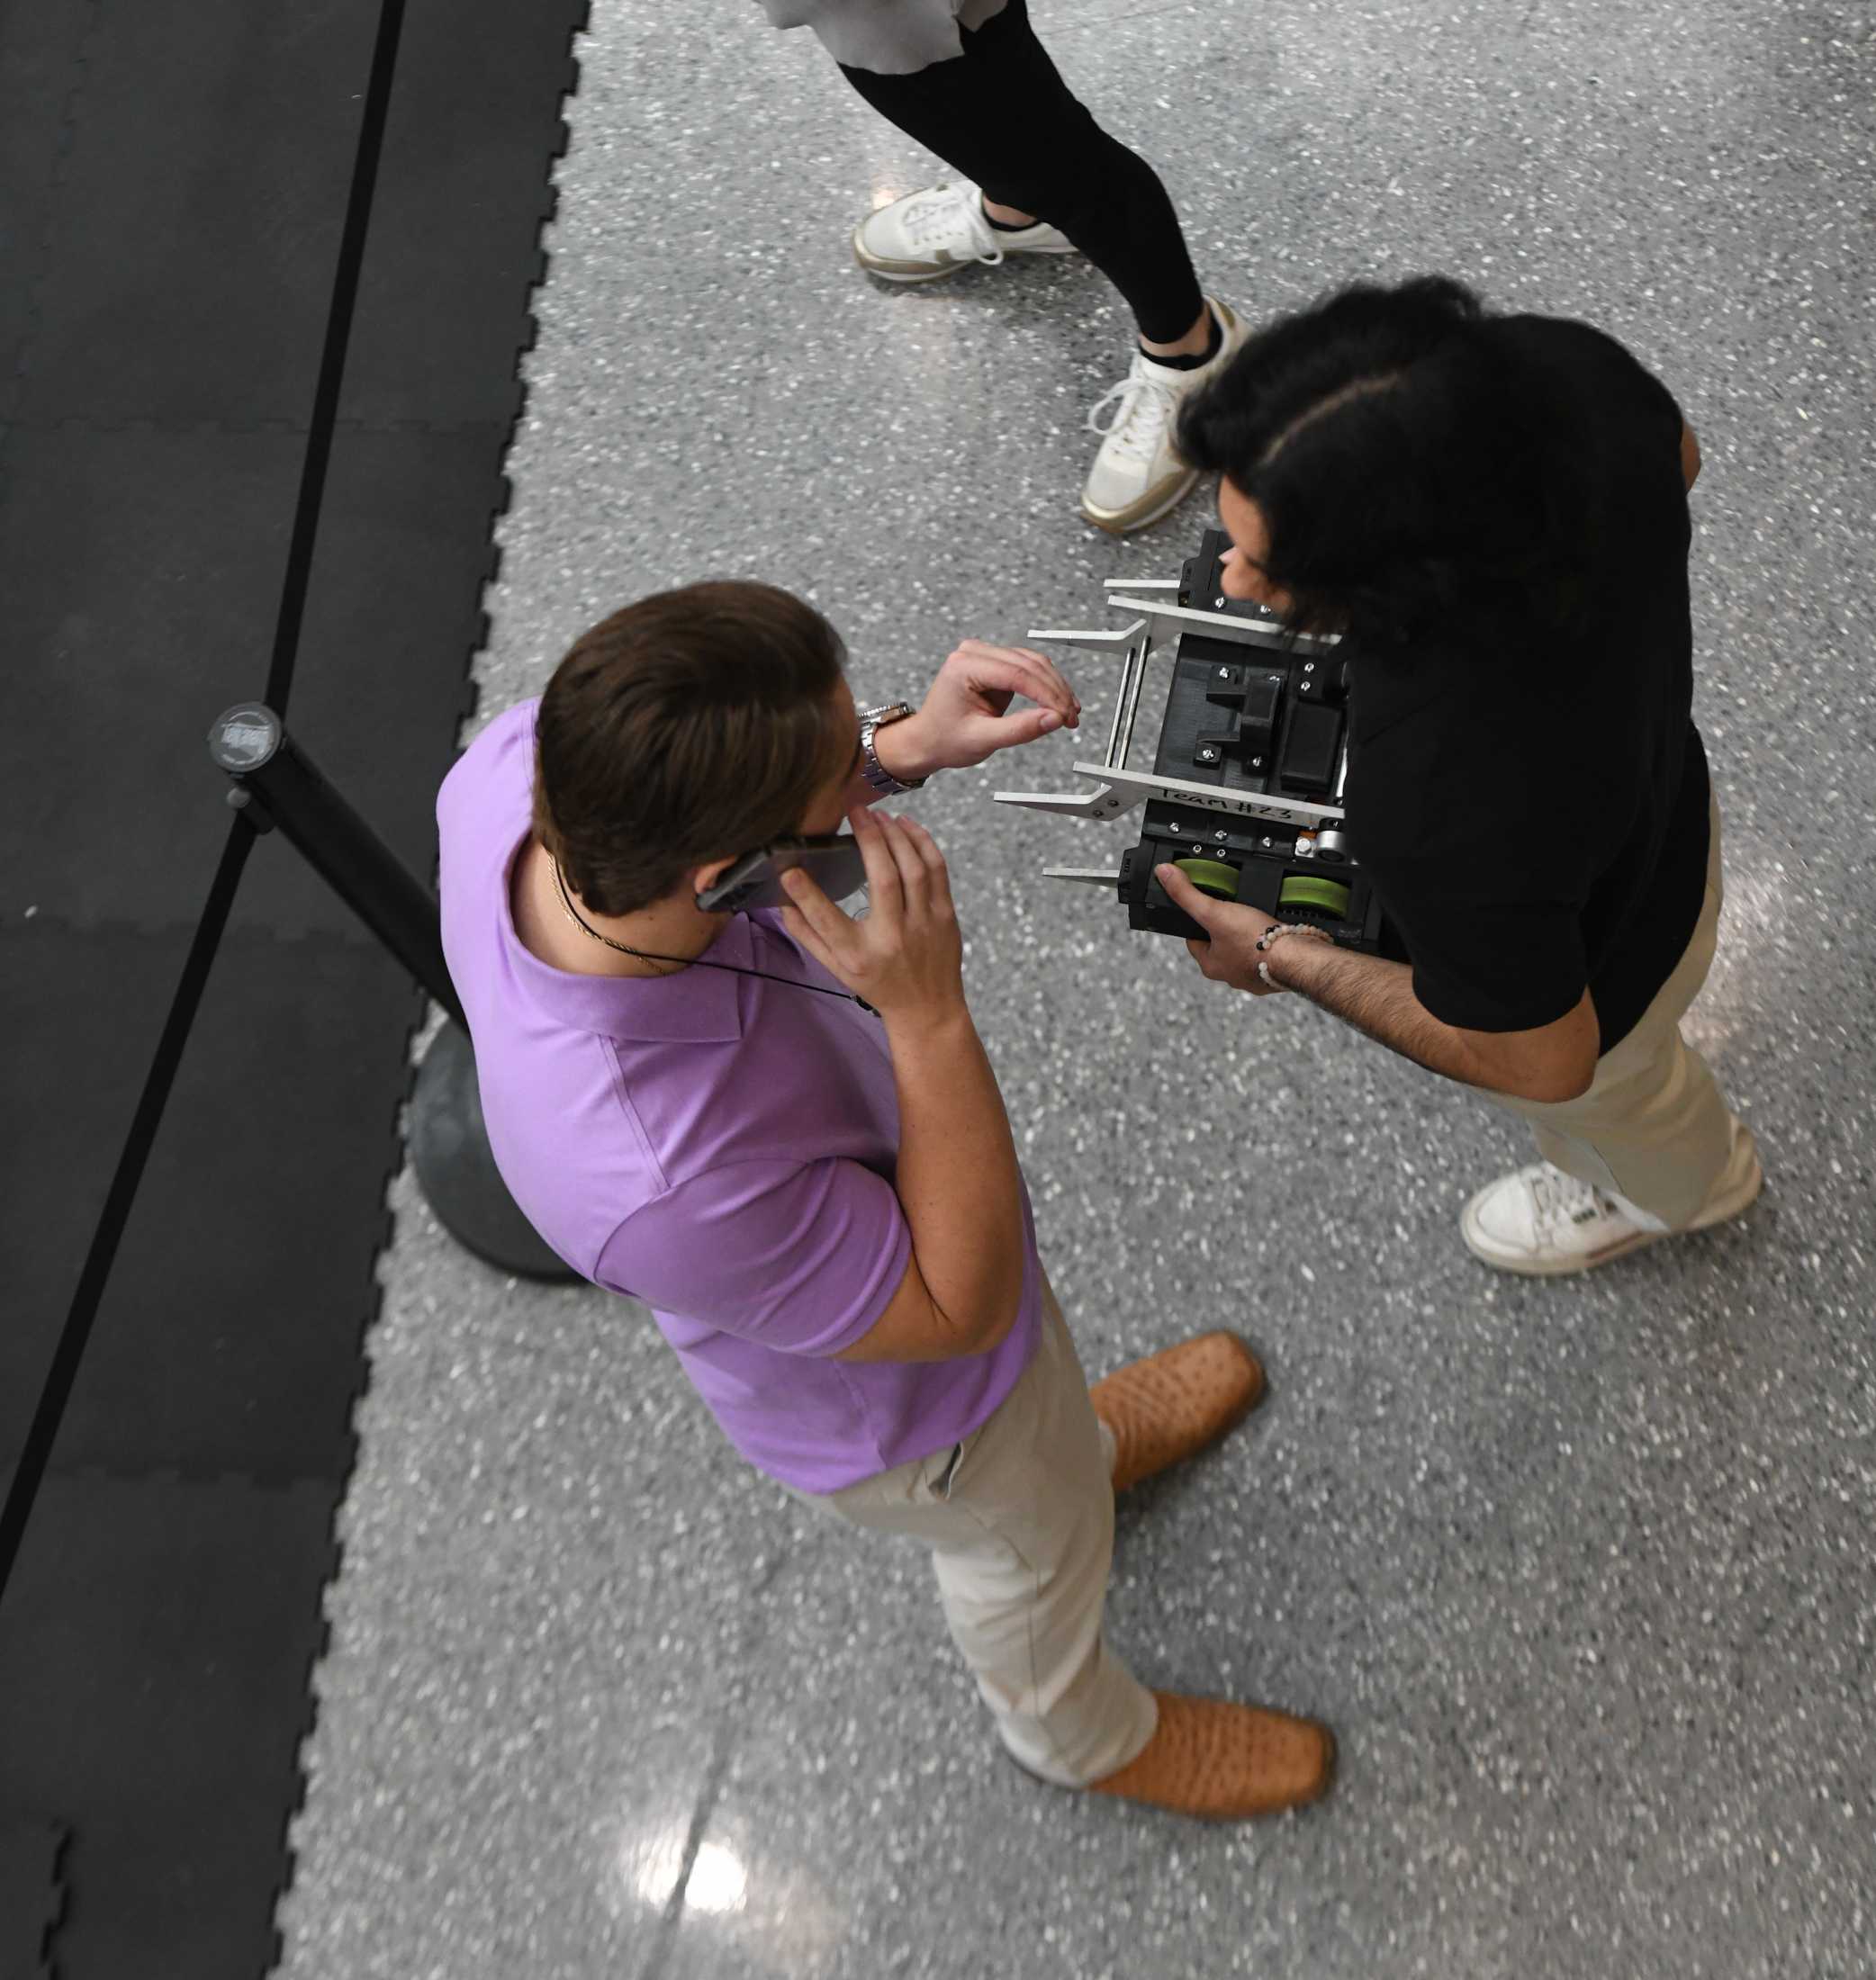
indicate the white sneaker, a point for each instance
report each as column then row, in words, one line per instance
column 1541, row 1221
column 1137, row 476
column 933, row 233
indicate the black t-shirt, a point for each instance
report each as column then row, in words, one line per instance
column 1533, row 810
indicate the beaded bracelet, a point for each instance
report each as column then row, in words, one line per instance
column 1273, row 935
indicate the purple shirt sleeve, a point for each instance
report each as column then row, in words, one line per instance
column 800, row 1257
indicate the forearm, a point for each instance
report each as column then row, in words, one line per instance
column 958, row 1180
column 1376, row 996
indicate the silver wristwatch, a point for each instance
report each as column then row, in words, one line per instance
column 871, row 720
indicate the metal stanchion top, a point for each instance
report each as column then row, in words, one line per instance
column 244, row 737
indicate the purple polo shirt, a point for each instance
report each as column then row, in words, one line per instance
column 718, row 1147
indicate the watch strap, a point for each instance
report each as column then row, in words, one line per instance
column 873, row 720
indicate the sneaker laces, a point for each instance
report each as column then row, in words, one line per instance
column 1558, row 1196
column 1143, row 409
column 948, row 211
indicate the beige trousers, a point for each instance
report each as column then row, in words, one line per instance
column 1654, row 1127
column 1020, row 1521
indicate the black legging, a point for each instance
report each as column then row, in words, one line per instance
column 1001, row 114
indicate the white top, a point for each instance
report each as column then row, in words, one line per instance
column 888, row 37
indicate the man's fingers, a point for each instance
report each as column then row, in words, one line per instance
column 924, row 842
column 984, row 734
column 1181, row 892
column 884, row 893
column 991, row 669
column 817, row 915
column 907, row 862
column 1035, row 677
column 937, row 874
column 1052, row 673
column 1020, row 669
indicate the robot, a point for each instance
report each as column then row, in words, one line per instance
column 1246, row 792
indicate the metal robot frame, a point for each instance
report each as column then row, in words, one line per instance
column 1119, row 789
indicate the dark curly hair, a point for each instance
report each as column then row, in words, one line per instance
column 1411, row 471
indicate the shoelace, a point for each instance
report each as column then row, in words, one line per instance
column 949, row 209
column 1557, row 1194
column 1146, row 407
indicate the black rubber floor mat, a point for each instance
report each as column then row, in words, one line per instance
column 454, row 241
column 231, row 1334
column 395, row 610
column 112, row 820
column 198, row 216
column 176, row 177
column 153, row 1688
column 32, row 1894
column 40, row 54
column 140, row 576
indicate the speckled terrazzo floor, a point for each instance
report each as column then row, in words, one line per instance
column 1583, row 1574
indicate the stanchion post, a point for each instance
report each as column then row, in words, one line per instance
column 250, row 742
column 449, row 1145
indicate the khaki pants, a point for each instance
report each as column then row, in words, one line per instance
column 1020, row 1521
column 1654, row 1127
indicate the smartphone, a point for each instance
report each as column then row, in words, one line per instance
column 832, row 859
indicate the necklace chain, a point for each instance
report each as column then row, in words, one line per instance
column 685, row 962
column 581, row 922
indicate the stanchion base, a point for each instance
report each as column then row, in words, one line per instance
column 449, row 1149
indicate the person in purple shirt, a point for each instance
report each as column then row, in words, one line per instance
column 780, row 1130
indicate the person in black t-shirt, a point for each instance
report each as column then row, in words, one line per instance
column 1490, row 512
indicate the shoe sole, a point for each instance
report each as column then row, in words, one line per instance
column 889, row 270
column 1527, row 1267
column 1331, row 1762
column 1140, row 515
column 1740, row 1199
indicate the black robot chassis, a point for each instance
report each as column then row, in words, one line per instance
column 1246, row 790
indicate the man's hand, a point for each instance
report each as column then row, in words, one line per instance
column 1229, row 955
column 907, row 957
column 966, row 716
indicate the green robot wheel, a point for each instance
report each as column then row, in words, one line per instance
column 1315, row 890
column 1212, row 877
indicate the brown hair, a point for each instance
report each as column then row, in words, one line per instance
column 694, row 725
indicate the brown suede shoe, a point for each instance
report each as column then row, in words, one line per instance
column 1175, row 1402
column 1226, row 1763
